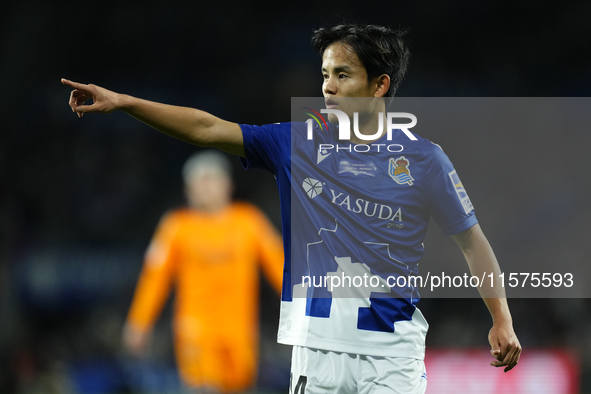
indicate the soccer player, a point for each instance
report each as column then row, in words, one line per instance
column 210, row 251
column 368, row 344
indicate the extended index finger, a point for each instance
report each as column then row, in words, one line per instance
column 75, row 85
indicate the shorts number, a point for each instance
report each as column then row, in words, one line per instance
column 300, row 387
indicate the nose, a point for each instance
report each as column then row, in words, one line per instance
column 329, row 87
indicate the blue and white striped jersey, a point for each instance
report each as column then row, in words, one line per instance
column 354, row 218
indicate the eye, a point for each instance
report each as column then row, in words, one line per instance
column 325, row 76
column 341, row 76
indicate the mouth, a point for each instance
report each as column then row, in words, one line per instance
column 330, row 103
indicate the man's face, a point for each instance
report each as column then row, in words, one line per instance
column 209, row 192
column 345, row 77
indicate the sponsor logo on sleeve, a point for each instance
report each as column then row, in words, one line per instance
column 461, row 192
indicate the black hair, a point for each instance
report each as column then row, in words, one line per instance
column 380, row 49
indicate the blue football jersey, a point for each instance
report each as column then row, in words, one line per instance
column 354, row 218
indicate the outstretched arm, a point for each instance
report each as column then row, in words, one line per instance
column 187, row 124
column 479, row 255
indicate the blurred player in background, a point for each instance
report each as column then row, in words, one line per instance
column 353, row 345
column 210, row 252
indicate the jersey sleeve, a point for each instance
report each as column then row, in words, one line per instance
column 447, row 198
column 155, row 279
column 266, row 146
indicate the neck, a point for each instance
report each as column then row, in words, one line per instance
column 210, row 208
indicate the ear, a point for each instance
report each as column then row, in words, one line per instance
column 382, row 84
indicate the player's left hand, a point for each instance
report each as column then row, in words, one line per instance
column 505, row 346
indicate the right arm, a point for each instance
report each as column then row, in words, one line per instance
column 153, row 287
column 187, row 124
column 270, row 247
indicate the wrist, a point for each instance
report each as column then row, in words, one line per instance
column 123, row 102
column 499, row 311
column 502, row 317
column 501, row 321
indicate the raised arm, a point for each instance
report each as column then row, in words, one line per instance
column 187, row 124
column 479, row 255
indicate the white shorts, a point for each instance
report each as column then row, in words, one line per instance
column 315, row 371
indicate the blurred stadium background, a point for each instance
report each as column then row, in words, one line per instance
column 79, row 199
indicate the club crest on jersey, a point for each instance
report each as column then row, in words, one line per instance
column 398, row 170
